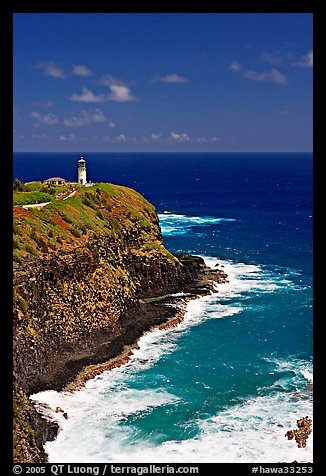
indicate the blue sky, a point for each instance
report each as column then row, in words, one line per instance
column 163, row 82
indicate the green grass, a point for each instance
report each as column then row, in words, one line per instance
column 46, row 188
column 29, row 198
column 101, row 210
column 33, row 186
column 38, row 192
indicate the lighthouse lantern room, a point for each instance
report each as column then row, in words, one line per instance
column 82, row 171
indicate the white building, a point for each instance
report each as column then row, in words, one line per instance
column 82, row 171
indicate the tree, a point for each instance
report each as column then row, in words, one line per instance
column 19, row 186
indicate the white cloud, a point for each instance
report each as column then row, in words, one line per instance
column 273, row 75
column 111, row 124
column 120, row 93
column 159, row 137
column 171, row 78
column 43, row 103
column 81, row 70
column 306, row 61
column 51, row 69
column 272, row 58
column 156, row 136
column 45, row 119
column 98, row 116
column 179, row 137
column 108, row 80
column 235, row 66
column 84, row 118
column 69, row 138
column 87, row 96
column 38, row 137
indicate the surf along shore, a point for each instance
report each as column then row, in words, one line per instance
column 91, row 275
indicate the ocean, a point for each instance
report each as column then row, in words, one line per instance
column 236, row 374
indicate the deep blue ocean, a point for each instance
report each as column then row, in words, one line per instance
column 236, row 374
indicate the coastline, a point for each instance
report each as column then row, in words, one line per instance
column 92, row 370
column 158, row 313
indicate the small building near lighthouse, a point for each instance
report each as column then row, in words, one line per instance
column 55, row 181
column 82, row 171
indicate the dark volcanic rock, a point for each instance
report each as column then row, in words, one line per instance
column 83, row 303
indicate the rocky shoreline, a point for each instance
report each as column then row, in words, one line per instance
column 159, row 312
column 159, row 315
column 108, row 348
column 91, row 275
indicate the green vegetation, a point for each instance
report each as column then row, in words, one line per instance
column 36, row 192
column 116, row 212
column 157, row 246
column 77, row 264
column 27, row 198
column 19, row 186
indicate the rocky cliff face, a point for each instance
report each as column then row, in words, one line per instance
column 81, row 271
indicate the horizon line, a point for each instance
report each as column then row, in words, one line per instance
column 164, row 152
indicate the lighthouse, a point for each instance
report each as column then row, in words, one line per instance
column 82, row 171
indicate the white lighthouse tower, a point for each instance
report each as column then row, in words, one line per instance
column 82, row 171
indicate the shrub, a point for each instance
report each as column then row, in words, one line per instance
column 52, row 245
column 88, row 203
column 21, row 303
column 18, row 186
column 32, row 286
column 83, row 228
column 17, row 258
column 66, row 218
column 29, row 249
column 42, row 245
column 74, row 231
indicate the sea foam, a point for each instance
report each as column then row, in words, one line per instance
column 100, row 429
column 175, row 224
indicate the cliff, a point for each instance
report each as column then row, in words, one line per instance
column 84, row 269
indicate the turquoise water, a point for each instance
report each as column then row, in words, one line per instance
column 236, row 374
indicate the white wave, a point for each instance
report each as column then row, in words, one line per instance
column 175, row 224
column 156, row 343
column 247, row 278
column 250, row 432
column 299, row 367
column 308, row 375
column 97, row 429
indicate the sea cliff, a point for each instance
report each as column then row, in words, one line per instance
column 87, row 272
